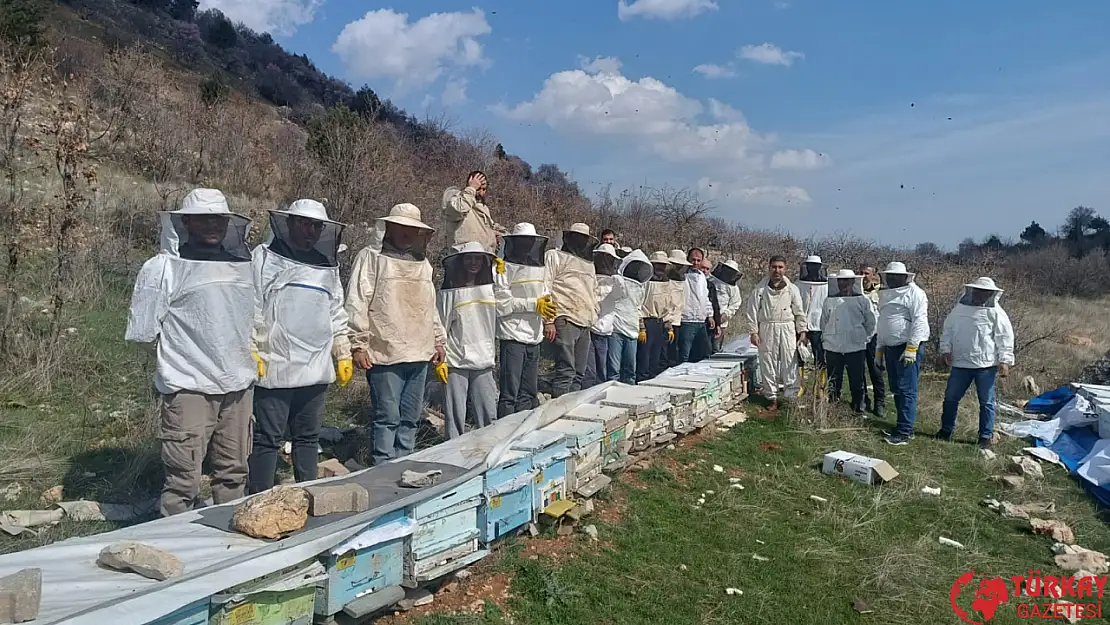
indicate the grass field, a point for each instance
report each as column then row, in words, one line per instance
column 662, row 561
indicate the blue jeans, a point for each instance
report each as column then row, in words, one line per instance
column 903, row 384
column 397, row 395
column 598, row 360
column 622, row 359
column 693, row 341
column 959, row 380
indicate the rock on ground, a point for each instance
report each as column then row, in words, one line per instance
column 1059, row 532
column 128, row 555
column 1010, row 481
column 331, row 468
column 273, row 513
column 1098, row 372
column 1076, row 558
column 1028, row 467
column 326, row 500
column 20, row 596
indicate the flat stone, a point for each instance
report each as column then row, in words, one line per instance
column 1059, row 532
column 1026, row 466
column 53, row 495
column 331, row 468
column 20, row 596
column 1085, row 560
column 136, row 557
column 273, row 513
column 353, row 466
column 1010, row 481
column 591, row 531
column 325, row 500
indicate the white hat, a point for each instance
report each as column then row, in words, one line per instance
column 342, row 248
column 580, row 228
column 678, row 257
column 471, row 247
column 626, row 249
column 983, row 284
column 309, row 209
column 523, row 229
column 406, row 215
column 606, row 248
column 845, row 274
column 815, row 259
column 732, row 264
column 896, row 267
column 203, row 202
column 660, row 257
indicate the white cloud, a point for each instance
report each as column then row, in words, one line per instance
column 749, row 192
column 454, row 92
column 600, row 64
column 384, row 44
column 782, row 4
column 770, row 54
column 707, row 139
column 711, row 71
column 277, row 17
column 799, row 159
column 664, row 9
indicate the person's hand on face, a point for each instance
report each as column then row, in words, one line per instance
column 477, row 182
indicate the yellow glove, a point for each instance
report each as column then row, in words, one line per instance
column 261, row 365
column 441, row 372
column 909, row 356
column 643, row 336
column 545, row 307
column 344, row 370
column 498, row 265
column 670, row 336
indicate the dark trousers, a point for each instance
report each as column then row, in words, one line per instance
column 857, row 384
column 520, row 365
column 671, row 352
column 878, row 378
column 693, row 342
column 597, row 362
column 572, row 349
column 649, row 354
column 818, row 349
column 301, row 411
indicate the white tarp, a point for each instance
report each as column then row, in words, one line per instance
column 75, row 591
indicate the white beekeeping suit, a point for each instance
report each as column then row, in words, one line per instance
column 777, row 316
column 301, row 323
column 978, row 333
column 814, row 287
column 848, row 322
column 631, row 287
column 725, row 277
column 197, row 303
column 468, row 309
column 520, row 285
column 903, row 310
column 606, row 263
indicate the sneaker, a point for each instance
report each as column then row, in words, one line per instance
column 984, row 443
column 898, row 440
column 879, row 411
column 944, row 436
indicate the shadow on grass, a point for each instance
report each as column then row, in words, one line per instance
column 114, row 475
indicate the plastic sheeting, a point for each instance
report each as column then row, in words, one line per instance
column 75, row 591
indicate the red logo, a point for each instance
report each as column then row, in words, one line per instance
column 1035, row 596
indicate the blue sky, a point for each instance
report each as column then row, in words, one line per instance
column 900, row 122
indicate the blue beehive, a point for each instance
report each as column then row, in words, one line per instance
column 549, row 461
column 371, row 561
column 195, row 613
column 446, row 537
column 509, row 496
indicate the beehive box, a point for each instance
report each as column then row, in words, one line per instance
column 372, row 560
column 283, row 598
column 549, row 464
column 446, row 536
column 195, row 613
column 651, row 406
column 614, row 420
column 509, row 496
column 682, row 402
column 700, row 407
column 585, row 463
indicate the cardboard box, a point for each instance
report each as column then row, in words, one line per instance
column 858, row 468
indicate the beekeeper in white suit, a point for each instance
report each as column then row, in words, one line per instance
column 606, row 263
column 724, row 278
column 847, row 324
column 814, row 286
column 522, row 305
column 978, row 343
column 775, row 321
column 195, row 302
column 903, row 331
column 630, row 289
column 468, row 309
column 395, row 328
column 570, row 279
column 301, row 335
